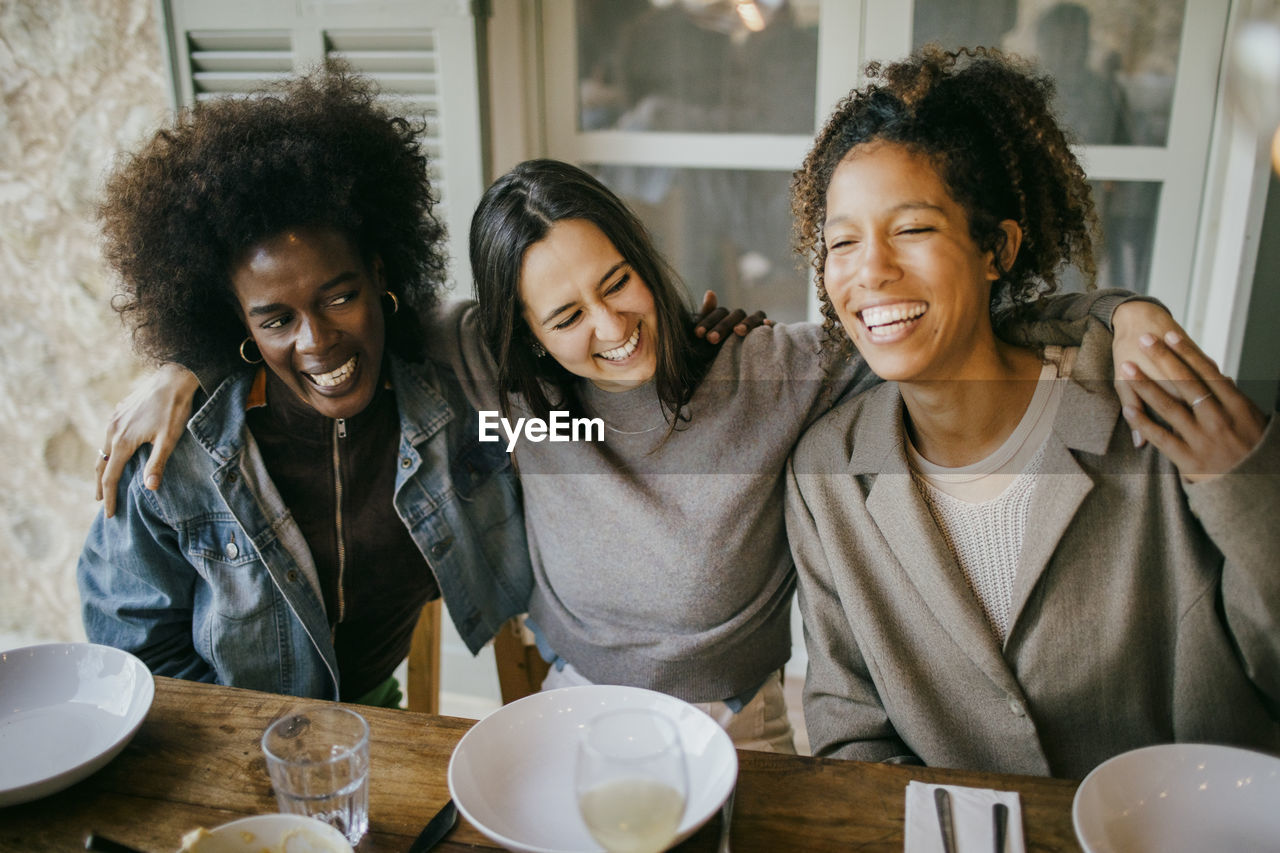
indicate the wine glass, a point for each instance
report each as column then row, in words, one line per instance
column 631, row 780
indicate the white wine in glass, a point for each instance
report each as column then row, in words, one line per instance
column 631, row 780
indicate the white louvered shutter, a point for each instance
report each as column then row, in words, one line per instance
column 406, row 65
column 421, row 53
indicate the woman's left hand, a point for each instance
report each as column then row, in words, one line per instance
column 1209, row 426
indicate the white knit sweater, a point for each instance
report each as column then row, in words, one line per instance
column 986, row 539
column 982, row 509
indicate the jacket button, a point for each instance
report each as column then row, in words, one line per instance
column 292, row 576
column 233, row 477
column 231, row 550
column 1017, row 708
column 442, row 547
column 405, row 462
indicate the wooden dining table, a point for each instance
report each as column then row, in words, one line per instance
column 197, row 761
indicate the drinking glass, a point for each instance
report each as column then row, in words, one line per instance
column 631, row 780
column 318, row 758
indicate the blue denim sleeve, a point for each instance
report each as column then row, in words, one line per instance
column 137, row 590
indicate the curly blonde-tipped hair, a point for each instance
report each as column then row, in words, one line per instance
column 984, row 119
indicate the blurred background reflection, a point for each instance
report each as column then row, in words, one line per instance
column 706, row 67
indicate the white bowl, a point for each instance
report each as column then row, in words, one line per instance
column 68, row 709
column 511, row 775
column 268, row 833
column 1180, row 797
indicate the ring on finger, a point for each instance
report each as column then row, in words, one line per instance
column 103, row 456
column 1198, row 400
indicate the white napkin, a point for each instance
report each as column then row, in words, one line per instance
column 972, row 816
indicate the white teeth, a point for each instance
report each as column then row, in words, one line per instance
column 335, row 377
column 898, row 315
column 623, row 352
column 888, row 330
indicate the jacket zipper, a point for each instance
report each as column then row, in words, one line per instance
column 340, row 432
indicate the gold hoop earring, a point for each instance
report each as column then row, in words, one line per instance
column 395, row 303
column 247, row 360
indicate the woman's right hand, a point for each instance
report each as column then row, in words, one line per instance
column 714, row 324
column 155, row 411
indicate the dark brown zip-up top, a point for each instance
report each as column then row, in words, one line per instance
column 337, row 477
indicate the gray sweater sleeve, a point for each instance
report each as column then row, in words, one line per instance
column 453, row 339
column 1062, row 319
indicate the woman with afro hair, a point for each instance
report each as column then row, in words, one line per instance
column 330, row 482
column 992, row 574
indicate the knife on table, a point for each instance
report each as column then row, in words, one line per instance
column 436, row 829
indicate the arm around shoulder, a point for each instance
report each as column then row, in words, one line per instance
column 155, row 412
column 1062, row 318
column 454, row 339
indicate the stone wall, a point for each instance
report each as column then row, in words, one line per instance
column 81, row 80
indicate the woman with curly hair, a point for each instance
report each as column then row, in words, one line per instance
column 331, row 482
column 992, row 574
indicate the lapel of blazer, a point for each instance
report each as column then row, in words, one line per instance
column 1061, row 487
column 908, row 527
column 1085, row 422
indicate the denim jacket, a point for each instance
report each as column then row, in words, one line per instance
column 210, row 579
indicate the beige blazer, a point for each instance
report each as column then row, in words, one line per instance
column 1144, row 611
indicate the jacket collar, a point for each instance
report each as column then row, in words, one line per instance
column 879, row 437
column 219, row 424
column 423, row 411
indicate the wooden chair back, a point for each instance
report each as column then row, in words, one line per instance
column 424, row 661
column 520, row 667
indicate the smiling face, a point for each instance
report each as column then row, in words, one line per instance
column 906, row 279
column 312, row 307
column 588, row 308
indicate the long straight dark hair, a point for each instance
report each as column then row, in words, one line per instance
column 519, row 210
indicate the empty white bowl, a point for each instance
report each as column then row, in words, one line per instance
column 1180, row 797
column 68, row 709
column 511, row 775
column 268, row 833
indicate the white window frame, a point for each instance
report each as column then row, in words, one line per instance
column 1213, row 176
column 1237, row 180
column 699, row 150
